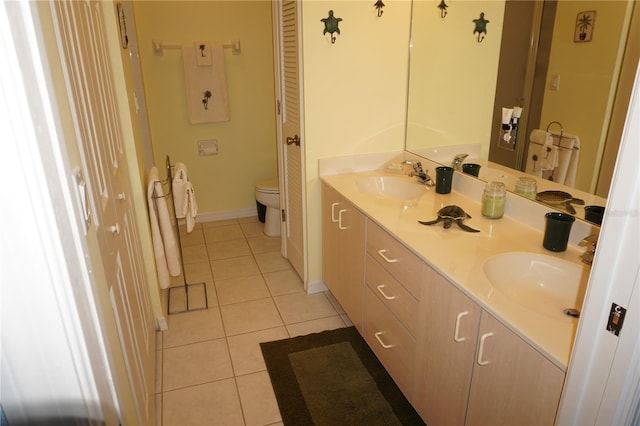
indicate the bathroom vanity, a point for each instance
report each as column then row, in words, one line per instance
column 461, row 350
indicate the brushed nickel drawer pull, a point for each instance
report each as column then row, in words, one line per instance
column 377, row 336
column 382, row 255
column 481, row 350
column 457, row 338
column 379, row 288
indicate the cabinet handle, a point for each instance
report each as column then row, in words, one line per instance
column 457, row 338
column 333, row 212
column 342, row 228
column 380, row 287
column 382, row 252
column 377, row 336
column 481, row 350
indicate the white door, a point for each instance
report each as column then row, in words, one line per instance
column 89, row 84
column 290, row 140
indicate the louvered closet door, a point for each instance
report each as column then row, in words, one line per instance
column 290, row 114
column 84, row 55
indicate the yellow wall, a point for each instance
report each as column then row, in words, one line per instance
column 453, row 77
column 588, row 75
column 354, row 91
column 247, row 143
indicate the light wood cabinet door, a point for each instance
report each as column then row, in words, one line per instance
column 445, row 351
column 343, row 252
column 512, row 382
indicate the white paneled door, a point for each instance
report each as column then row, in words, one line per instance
column 83, row 49
column 290, row 140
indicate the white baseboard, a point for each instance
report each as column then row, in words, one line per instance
column 226, row 214
column 316, row 287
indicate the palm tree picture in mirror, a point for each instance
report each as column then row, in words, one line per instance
column 584, row 26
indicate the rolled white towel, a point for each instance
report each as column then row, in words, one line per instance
column 179, row 187
column 190, row 207
column 156, row 237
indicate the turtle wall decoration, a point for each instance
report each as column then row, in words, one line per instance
column 331, row 26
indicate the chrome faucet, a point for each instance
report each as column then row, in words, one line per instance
column 457, row 161
column 590, row 242
column 421, row 176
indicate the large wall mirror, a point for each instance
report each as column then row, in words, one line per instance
column 528, row 57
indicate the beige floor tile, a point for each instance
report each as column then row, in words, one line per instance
column 193, row 238
column 192, row 327
column 271, row 262
column 264, row 244
column 315, row 326
column 210, row 404
column 223, row 233
column 246, row 355
column 252, row 229
column 248, row 219
column 283, row 282
column 189, row 298
column 258, row 400
column 227, row 249
column 250, row 316
column 218, row 223
column 237, row 267
column 195, row 364
column 243, row 289
column 195, row 254
column 299, row 307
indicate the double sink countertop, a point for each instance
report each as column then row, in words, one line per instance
column 460, row 256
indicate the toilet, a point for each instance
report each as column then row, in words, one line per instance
column 268, row 194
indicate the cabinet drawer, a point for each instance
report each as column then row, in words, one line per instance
column 392, row 344
column 392, row 294
column 395, row 258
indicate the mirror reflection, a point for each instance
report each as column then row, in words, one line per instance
column 458, row 88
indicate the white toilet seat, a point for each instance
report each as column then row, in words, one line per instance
column 269, row 186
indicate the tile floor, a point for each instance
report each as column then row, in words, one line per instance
column 210, row 369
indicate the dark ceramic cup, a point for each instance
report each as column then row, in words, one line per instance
column 557, row 230
column 594, row 214
column 471, row 169
column 444, row 177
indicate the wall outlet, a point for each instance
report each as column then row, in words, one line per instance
column 208, row 147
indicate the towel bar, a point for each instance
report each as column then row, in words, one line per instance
column 159, row 46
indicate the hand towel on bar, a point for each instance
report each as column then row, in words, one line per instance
column 164, row 242
column 568, row 156
column 548, row 152
column 206, row 86
column 179, row 188
column 190, row 207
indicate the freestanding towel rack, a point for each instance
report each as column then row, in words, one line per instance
column 185, row 285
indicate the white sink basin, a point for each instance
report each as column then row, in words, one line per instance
column 538, row 282
column 391, row 187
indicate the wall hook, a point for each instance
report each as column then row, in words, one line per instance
column 443, row 9
column 481, row 27
column 331, row 25
column 379, row 5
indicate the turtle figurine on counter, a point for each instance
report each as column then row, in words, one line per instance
column 449, row 215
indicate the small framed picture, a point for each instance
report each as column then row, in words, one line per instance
column 584, row 26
